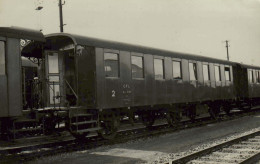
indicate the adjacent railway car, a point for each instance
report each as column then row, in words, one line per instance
column 247, row 85
column 91, row 85
column 10, row 75
column 253, row 73
column 11, row 84
column 30, row 84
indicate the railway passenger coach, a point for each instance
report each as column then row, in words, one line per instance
column 91, row 85
column 115, row 75
column 117, row 79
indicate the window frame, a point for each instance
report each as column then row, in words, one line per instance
column 229, row 72
column 177, row 61
column 51, row 74
column 143, row 72
column 195, row 72
column 118, row 64
column 51, row 90
column 51, row 61
column 250, row 76
column 253, row 77
column 257, row 76
column 163, row 70
column 3, row 73
column 209, row 78
column 219, row 72
column 54, row 78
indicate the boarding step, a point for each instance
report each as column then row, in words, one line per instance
column 83, row 115
column 23, row 125
column 86, row 130
column 83, row 118
column 25, row 121
column 84, row 122
column 80, row 111
column 25, row 130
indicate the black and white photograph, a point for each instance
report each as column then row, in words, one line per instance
column 130, row 81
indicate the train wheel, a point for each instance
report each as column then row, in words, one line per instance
column 214, row 111
column 247, row 107
column 191, row 113
column 173, row 118
column 109, row 128
column 226, row 108
column 49, row 124
column 80, row 136
column 244, row 106
column 148, row 118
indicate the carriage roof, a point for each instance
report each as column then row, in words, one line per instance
column 21, row 33
column 89, row 41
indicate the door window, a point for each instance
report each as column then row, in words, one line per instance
column 54, row 93
column 53, row 63
column 53, row 77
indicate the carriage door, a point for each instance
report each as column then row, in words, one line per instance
column 54, row 73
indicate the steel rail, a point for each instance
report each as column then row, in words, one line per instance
column 212, row 149
column 254, row 159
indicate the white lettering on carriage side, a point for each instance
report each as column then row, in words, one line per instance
column 126, row 89
column 126, row 86
column 113, row 93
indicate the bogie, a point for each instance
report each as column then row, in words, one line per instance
column 109, row 123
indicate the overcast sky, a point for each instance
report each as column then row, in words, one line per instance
column 192, row 26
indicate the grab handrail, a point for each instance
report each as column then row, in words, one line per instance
column 71, row 89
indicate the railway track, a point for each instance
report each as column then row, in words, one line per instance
column 244, row 149
column 31, row 152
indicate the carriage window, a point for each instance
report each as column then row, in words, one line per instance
column 53, row 63
column 54, row 78
column 111, row 65
column 158, row 68
column 137, row 67
column 250, row 76
column 2, row 58
column 227, row 73
column 176, row 69
column 257, row 77
column 206, row 75
column 193, row 71
column 217, row 73
column 253, row 80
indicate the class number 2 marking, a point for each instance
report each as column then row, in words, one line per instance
column 113, row 93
